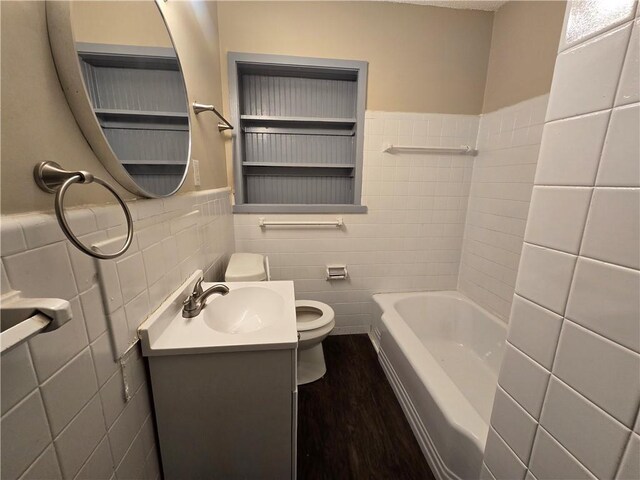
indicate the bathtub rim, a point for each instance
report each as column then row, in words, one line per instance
column 456, row 409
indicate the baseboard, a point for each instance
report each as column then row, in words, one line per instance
column 351, row 330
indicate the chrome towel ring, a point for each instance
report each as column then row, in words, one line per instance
column 52, row 178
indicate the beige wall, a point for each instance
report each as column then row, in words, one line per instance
column 119, row 23
column 38, row 125
column 421, row 59
column 524, row 44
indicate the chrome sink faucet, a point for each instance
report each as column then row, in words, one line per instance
column 195, row 302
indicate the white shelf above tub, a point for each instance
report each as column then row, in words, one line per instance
column 461, row 150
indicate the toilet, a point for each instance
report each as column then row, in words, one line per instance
column 314, row 320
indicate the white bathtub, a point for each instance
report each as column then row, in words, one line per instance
column 441, row 353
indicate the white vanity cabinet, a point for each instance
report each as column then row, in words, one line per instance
column 228, row 415
column 224, row 382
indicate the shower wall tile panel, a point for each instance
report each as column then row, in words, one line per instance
column 584, row 332
column 501, row 186
column 64, row 413
column 411, row 237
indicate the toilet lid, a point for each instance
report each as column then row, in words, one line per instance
column 311, row 315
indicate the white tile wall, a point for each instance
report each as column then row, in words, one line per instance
column 411, row 237
column 64, row 413
column 168, row 246
column 503, row 172
column 577, row 305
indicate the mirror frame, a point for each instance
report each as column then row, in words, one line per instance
column 65, row 56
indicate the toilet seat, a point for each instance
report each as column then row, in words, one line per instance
column 325, row 312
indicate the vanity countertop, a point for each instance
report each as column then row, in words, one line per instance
column 261, row 316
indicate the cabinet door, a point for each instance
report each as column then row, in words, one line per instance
column 225, row 415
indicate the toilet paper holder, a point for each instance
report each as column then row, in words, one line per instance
column 337, row 272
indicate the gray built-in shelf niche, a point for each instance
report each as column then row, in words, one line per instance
column 300, row 138
column 139, row 98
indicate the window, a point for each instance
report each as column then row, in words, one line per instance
column 300, row 138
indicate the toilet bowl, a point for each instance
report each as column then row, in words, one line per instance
column 314, row 320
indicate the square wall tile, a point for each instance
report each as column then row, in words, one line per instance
column 544, row 276
column 589, row 433
column 11, row 236
column 606, row 299
column 586, row 361
column 99, row 466
column 619, row 166
column 570, row 150
column 43, row 272
column 17, row 375
column 630, row 465
column 45, row 467
column 534, row 330
column 613, row 227
column 131, row 276
column 133, row 463
column 551, row 461
column 630, row 79
column 154, row 263
column 40, row 230
column 500, row 459
column 524, row 380
column 513, row 424
column 76, row 442
column 126, row 426
column 66, row 392
column 557, row 216
column 25, row 435
column 600, row 61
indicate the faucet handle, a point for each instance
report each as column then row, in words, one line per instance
column 197, row 288
column 190, row 302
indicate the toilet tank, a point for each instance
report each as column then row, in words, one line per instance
column 245, row 267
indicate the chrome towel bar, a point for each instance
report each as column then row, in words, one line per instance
column 22, row 318
column 52, row 178
column 338, row 222
column 201, row 107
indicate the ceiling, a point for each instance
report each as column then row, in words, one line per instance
column 489, row 5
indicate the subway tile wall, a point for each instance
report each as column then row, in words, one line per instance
column 501, row 185
column 573, row 353
column 64, row 413
column 411, row 237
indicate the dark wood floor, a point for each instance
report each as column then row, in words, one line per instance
column 350, row 424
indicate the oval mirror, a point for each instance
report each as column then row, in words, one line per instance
column 122, row 79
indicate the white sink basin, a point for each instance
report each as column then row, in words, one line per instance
column 252, row 316
column 243, row 310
